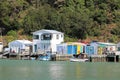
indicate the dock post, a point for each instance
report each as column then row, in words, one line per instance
column 114, row 58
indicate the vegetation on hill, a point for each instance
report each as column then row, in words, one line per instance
column 78, row 19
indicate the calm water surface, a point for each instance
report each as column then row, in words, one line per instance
column 48, row 70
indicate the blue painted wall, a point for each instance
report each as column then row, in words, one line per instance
column 89, row 50
column 71, row 49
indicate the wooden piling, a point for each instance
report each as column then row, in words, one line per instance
column 98, row 58
column 63, row 57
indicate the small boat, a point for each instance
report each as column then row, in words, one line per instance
column 45, row 57
column 78, row 60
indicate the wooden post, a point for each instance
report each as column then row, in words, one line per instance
column 114, row 58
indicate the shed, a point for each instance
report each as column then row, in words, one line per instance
column 102, row 47
column 75, row 47
column 109, row 46
column 47, row 40
column 19, row 46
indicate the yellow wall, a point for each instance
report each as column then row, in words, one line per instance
column 100, row 50
column 78, row 49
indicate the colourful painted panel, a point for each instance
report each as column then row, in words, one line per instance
column 89, row 50
column 69, row 49
column 100, row 50
column 78, row 49
column 81, row 49
column 101, row 45
column 74, row 49
column 86, row 49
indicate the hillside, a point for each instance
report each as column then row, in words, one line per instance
column 79, row 19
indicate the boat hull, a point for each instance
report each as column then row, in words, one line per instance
column 78, row 60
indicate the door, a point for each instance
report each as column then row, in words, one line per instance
column 35, row 48
column 69, row 49
column 74, row 49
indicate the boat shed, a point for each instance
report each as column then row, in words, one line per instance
column 75, row 47
column 109, row 46
column 20, row 46
column 46, row 41
column 102, row 47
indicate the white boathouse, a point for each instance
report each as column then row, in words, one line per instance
column 20, row 46
column 46, row 40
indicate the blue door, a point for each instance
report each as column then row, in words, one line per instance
column 74, row 49
column 69, row 49
column 86, row 49
column 35, row 46
column 89, row 50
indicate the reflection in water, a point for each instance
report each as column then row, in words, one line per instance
column 23, row 70
column 78, row 71
column 38, row 70
column 56, row 71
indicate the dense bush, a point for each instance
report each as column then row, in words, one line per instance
column 76, row 18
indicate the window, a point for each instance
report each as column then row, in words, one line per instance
column 46, row 37
column 61, row 35
column 57, row 36
column 35, row 36
column 0, row 43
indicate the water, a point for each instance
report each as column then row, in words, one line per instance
column 48, row 70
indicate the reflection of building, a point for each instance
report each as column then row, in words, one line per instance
column 56, row 71
column 46, row 40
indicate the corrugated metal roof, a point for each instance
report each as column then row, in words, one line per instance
column 47, row 31
column 24, row 41
column 21, row 41
column 109, row 44
column 76, row 43
column 102, row 44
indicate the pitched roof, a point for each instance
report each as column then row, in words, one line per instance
column 105, row 43
column 76, row 43
column 21, row 41
column 47, row 31
column 24, row 41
